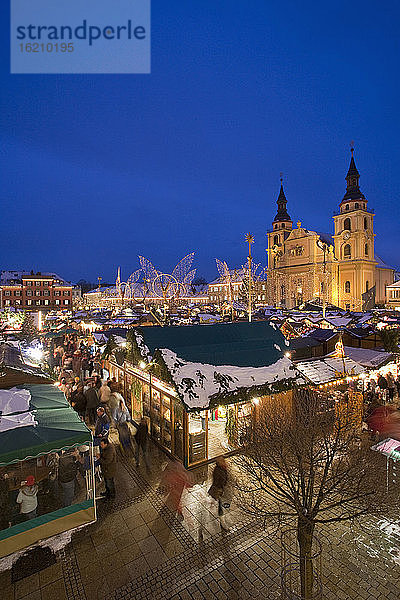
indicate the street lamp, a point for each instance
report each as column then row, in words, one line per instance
column 145, row 366
column 249, row 240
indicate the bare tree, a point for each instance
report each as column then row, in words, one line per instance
column 305, row 463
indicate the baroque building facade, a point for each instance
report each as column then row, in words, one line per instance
column 342, row 269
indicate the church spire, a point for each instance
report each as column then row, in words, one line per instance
column 353, row 176
column 282, row 214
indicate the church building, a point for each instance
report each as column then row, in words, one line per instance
column 342, row 269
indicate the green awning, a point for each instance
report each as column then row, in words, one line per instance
column 59, row 427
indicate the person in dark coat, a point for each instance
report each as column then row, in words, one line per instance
column 141, row 438
column 102, row 426
column 67, row 470
column 78, row 401
column 92, row 402
column 219, row 481
column 108, row 463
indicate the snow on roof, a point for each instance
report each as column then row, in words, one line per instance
column 367, row 357
column 198, row 384
column 339, row 321
column 209, row 317
column 326, row 369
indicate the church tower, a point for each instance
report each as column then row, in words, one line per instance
column 354, row 243
column 281, row 226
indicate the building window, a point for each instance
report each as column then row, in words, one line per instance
column 57, row 302
column 283, row 225
column 7, row 302
column 365, row 223
column 29, row 283
column 66, row 293
column 29, row 302
column 57, row 293
column 276, row 239
column 18, row 302
column 17, row 292
column 37, row 283
column 37, row 302
column 46, row 302
column 366, row 286
column 347, row 251
column 347, row 306
column 347, row 287
column 66, row 301
column 7, row 293
column 347, row 224
column 46, row 293
column 366, row 250
column 29, row 292
column 283, row 291
column 322, row 287
column 356, row 205
column 38, row 293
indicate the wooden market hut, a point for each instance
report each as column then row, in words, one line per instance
column 191, row 383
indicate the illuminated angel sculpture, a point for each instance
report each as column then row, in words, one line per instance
column 168, row 286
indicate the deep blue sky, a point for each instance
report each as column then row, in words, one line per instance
column 98, row 169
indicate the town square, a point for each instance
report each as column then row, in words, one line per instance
column 199, row 302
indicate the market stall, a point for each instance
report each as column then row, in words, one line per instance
column 41, row 438
column 194, row 384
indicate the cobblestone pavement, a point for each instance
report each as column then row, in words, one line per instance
column 138, row 549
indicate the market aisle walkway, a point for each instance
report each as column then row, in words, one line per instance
column 139, row 550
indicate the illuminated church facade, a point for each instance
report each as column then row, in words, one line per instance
column 342, row 269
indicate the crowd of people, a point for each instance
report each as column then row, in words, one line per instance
column 382, row 404
column 55, row 481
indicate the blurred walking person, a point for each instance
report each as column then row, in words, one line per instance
column 217, row 489
column 92, row 402
column 176, row 479
column 108, row 463
column 121, row 420
column 142, row 439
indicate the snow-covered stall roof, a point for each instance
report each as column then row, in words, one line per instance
column 198, row 384
column 223, row 362
column 368, row 357
column 327, row 369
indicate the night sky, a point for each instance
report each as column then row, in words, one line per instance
column 96, row 169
